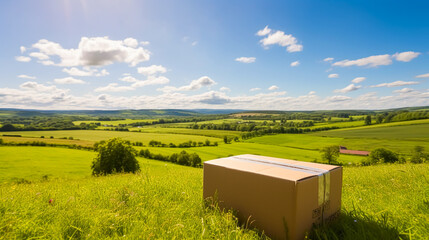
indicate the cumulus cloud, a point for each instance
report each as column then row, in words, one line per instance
column 395, row 84
column 22, row 49
column 358, row 79
column 333, row 75
column 22, row 59
column 114, row 87
column 37, row 87
column 311, row 93
column 406, row 56
column 294, row 64
column 224, row 89
column 423, row 75
column 144, row 43
column 272, row 88
column 328, row 59
column 279, row 38
column 339, row 98
column 128, row 78
column 86, row 72
column 212, row 98
column 264, row 31
column 39, row 55
column 404, row 90
column 246, row 59
column 378, row 60
column 347, row 89
column 68, row 80
column 151, row 81
column 254, row 89
column 96, row 51
column 26, row 76
column 151, row 70
column 194, row 85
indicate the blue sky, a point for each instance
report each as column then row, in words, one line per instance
column 280, row 55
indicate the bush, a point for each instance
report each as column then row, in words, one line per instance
column 419, row 156
column 382, row 155
column 115, row 155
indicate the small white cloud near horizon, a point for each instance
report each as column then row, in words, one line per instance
column 426, row 75
column 114, row 87
column 333, row 75
column 311, row 92
column 255, row 89
column 272, row 88
column 39, row 55
column 246, row 59
column 358, row 79
column 395, row 84
column 328, row 59
column 151, row 80
column 26, row 76
column 22, row 59
column 294, row 64
column 128, row 78
column 279, row 38
column 86, row 72
column 151, row 70
column 68, row 80
column 404, row 90
column 347, row 89
column 225, row 89
column 194, row 85
column 378, row 60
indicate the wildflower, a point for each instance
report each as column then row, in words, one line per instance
column 355, row 220
column 51, row 201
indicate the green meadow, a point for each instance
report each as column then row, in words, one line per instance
column 116, row 123
column 164, row 201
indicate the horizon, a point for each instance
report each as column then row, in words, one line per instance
column 288, row 56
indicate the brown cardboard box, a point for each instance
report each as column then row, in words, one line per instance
column 281, row 197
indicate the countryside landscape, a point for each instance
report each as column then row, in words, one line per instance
column 163, row 119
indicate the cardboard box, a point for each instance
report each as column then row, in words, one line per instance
column 281, row 197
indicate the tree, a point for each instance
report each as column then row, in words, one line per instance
column 419, row 156
column 115, row 155
column 225, row 139
column 368, row 120
column 383, row 155
column 379, row 119
column 330, row 153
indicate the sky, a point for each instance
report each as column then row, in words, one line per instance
column 251, row 55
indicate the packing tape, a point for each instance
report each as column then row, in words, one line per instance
column 324, row 188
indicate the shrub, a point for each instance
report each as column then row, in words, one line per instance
column 382, row 155
column 419, row 156
column 1, row 141
column 115, row 155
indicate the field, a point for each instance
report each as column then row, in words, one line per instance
column 164, row 201
column 116, row 123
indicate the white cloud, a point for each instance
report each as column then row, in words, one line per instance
column 47, row 62
column 26, row 76
column 86, row 72
column 378, row 60
column 34, row 86
column 96, row 51
column 281, row 39
column 151, row 70
column 151, row 81
column 294, row 64
column 22, row 59
column 194, row 85
column 406, row 56
column 311, row 93
column 128, row 78
column 194, row 43
column 347, row 89
column 371, row 61
column 144, row 43
column 39, row 55
column 254, row 89
column 264, row 31
column 22, row 49
column 423, row 76
column 246, row 59
column 329, row 59
column 68, row 80
column 358, row 79
column 114, row 87
column 404, row 90
column 333, row 75
column 224, row 89
column 338, row 98
column 395, row 84
column 272, row 88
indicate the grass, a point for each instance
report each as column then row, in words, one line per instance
column 188, row 131
column 98, row 135
column 116, row 123
column 164, row 202
column 48, row 141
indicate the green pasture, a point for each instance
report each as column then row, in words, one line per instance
column 164, row 201
column 48, row 140
column 98, row 135
column 338, row 124
column 303, row 141
column 189, row 131
column 116, row 123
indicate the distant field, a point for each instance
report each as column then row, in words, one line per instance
column 189, row 131
column 48, row 141
column 116, row 123
column 304, row 141
column 338, row 124
column 98, row 135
